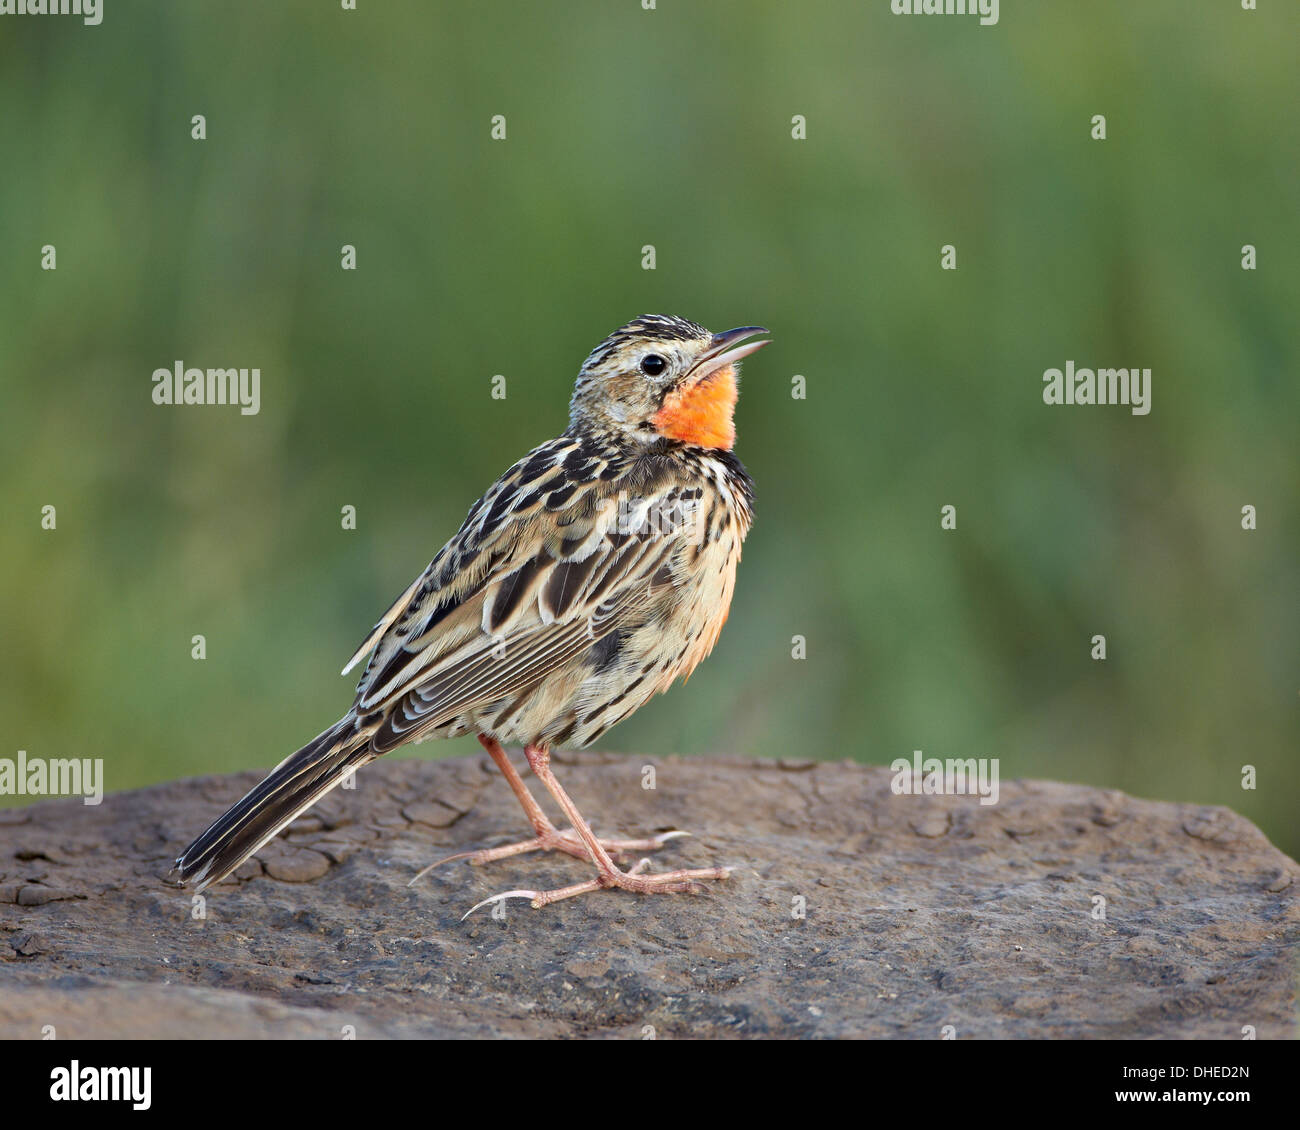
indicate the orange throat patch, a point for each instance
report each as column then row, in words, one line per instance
column 702, row 413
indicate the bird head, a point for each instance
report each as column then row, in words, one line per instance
column 662, row 377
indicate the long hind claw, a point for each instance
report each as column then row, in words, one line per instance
column 438, row 863
column 499, row 898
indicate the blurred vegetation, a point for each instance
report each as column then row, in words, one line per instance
column 476, row 257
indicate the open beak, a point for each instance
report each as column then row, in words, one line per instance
column 726, row 349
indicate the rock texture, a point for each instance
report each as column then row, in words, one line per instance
column 852, row 912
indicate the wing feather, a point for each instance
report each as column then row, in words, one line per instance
column 567, row 606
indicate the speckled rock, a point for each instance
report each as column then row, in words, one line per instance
column 1061, row 911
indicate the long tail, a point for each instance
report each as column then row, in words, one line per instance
column 293, row 786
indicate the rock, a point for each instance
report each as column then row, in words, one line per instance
column 1061, row 911
column 293, row 864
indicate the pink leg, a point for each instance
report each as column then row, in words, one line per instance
column 536, row 817
column 608, row 875
column 546, row 836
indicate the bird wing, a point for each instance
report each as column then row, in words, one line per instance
column 548, row 562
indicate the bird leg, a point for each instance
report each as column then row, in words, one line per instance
column 608, row 875
column 546, row 837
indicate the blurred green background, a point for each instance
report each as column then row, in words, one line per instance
column 477, row 257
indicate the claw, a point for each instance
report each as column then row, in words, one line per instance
column 446, row 859
column 530, row 895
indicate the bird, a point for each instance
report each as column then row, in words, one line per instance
column 591, row 576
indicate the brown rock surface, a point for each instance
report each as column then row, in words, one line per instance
column 921, row 912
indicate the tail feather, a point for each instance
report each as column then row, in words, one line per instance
column 292, row 787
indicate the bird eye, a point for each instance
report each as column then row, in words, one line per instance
column 652, row 364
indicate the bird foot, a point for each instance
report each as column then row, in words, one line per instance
column 634, row 879
column 552, row 839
